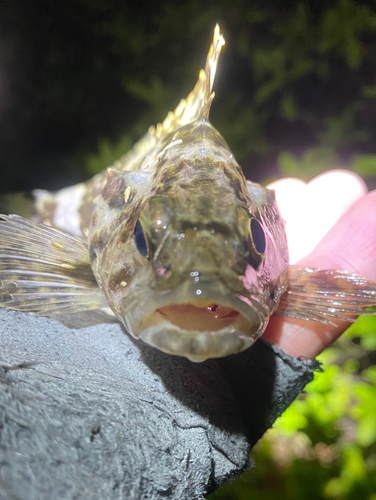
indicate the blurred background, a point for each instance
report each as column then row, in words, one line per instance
column 81, row 81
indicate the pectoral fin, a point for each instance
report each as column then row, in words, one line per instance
column 325, row 296
column 44, row 270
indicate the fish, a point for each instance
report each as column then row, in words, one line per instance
column 173, row 241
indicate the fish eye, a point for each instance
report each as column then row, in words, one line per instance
column 257, row 236
column 151, row 226
column 256, row 242
column 140, row 239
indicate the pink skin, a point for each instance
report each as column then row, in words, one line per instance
column 349, row 245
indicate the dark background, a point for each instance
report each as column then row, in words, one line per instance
column 80, row 81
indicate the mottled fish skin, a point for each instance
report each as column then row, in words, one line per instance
column 190, row 256
column 195, row 206
column 183, row 174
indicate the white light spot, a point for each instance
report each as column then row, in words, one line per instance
column 198, row 292
column 68, row 202
column 311, row 210
column 127, row 194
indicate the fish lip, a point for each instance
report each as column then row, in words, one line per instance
column 196, row 345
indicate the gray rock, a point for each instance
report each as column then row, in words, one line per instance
column 89, row 413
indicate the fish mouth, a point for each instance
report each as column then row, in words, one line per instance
column 197, row 323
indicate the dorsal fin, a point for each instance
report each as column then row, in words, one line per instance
column 197, row 104
column 195, row 107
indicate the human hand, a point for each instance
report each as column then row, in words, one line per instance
column 330, row 224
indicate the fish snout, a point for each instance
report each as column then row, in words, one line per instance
column 206, row 252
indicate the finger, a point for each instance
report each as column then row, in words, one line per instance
column 350, row 245
column 311, row 210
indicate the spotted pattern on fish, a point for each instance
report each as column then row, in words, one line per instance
column 190, row 256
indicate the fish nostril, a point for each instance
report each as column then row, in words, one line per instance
column 160, row 271
column 163, row 272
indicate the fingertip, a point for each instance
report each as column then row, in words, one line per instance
column 351, row 243
column 350, row 246
column 311, row 210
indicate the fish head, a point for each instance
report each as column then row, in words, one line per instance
column 196, row 268
column 192, row 258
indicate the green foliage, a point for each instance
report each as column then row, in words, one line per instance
column 296, row 95
column 364, row 165
column 324, row 445
column 312, row 162
column 82, row 74
column 107, row 154
column 293, row 85
column 315, row 161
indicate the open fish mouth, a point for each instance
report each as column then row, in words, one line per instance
column 211, row 324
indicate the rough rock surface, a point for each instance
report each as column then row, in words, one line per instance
column 88, row 413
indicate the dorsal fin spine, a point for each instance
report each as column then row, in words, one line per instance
column 210, row 70
column 195, row 107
